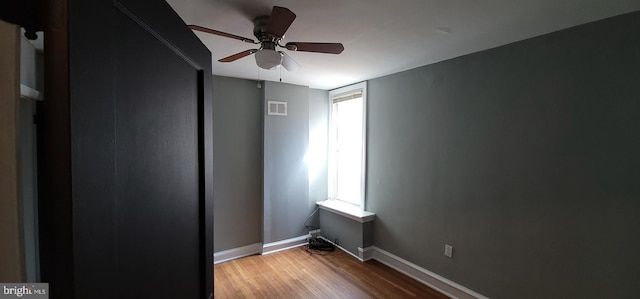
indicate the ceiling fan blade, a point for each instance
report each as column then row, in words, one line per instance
column 330, row 48
column 288, row 62
column 220, row 33
column 281, row 19
column 237, row 56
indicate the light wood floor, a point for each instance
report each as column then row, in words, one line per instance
column 294, row 273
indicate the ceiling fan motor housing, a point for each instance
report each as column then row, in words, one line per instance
column 260, row 25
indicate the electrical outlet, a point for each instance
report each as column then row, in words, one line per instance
column 448, row 250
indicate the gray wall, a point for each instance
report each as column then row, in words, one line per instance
column 237, row 158
column 286, row 186
column 523, row 157
column 317, row 158
column 347, row 233
column 317, row 154
column 239, row 125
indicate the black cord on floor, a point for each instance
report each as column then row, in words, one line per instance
column 317, row 252
column 317, row 245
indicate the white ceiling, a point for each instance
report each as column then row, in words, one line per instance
column 382, row 37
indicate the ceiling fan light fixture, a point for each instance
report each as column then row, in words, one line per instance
column 268, row 59
column 269, row 32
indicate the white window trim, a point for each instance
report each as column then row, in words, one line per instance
column 336, row 93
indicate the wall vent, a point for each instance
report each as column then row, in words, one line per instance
column 277, row 108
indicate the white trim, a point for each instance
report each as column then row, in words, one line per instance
column 285, row 244
column 235, row 253
column 365, row 129
column 362, row 86
column 346, row 209
column 365, row 253
column 433, row 280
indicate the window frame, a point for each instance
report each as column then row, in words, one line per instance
column 336, row 93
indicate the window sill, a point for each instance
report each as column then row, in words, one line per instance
column 347, row 210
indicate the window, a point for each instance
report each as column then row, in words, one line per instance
column 347, row 137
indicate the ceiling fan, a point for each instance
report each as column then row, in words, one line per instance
column 269, row 30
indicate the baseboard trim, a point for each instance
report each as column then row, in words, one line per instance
column 433, row 280
column 285, row 244
column 235, row 253
column 314, row 233
column 365, row 253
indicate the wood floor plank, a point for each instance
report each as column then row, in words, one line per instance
column 295, row 273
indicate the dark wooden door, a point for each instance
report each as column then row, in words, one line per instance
column 139, row 143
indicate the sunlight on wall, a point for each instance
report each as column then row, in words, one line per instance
column 316, row 156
